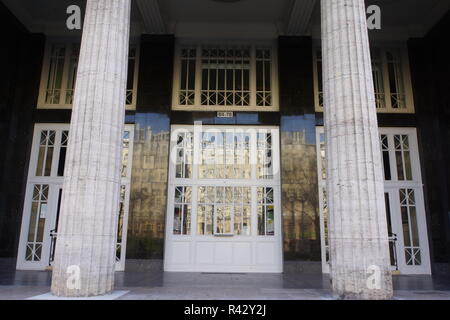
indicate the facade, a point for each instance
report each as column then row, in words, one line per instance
column 226, row 158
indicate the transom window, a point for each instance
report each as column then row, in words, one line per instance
column 59, row 75
column 393, row 92
column 225, row 78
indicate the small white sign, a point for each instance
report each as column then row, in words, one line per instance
column 43, row 212
column 225, row 114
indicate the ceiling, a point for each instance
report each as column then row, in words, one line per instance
column 241, row 18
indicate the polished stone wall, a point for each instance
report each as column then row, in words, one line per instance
column 148, row 196
column 299, row 186
column 20, row 65
column 430, row 69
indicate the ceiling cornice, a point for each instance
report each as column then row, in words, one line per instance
column 151, row 16
column 300, row 17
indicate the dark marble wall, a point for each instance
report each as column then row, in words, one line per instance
column 300, row 202
column 20, row 65
column 430, row 70
column 148, row 197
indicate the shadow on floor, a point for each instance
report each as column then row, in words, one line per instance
column 289, row 280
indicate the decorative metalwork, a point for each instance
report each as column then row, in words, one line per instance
column 403, row 157
column 410, row 228
column 263, row 77
column 39, row 207
column 187, row 76
column 225, row 76
column 266, row 210
column 265, row 156
column 46, row 151
column 182, row 211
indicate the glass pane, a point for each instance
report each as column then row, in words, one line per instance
column 264, row 154
column 184, row 155
column 45, row 155
column 36, row 226
column 263, row 77
column 319, row 77
column 225, row 76
column 56, row 69
column 182, row 211
column 225, row 155
column 403, row 157
column 63, row 152
column 396, row 80
column 187, row 76
column 410, row 227
column 72, row 75
column 386, row 158
column 266, row 211
column 378, row 82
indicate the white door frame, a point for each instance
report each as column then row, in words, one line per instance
column 392, row 187
column 193, row 243
column 56, row 182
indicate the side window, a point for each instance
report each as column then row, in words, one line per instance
column 60, row 71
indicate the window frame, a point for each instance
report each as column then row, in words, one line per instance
column 392, row 188
column 383, row 48
column 69, row 43
column 197, row 106
column 55, row 182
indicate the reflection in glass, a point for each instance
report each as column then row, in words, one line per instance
column 182, row 211
column 37, row 222
column 187, row 76
column 264, row 154
column 225, row 76
column 225, row 155
column 120, row 222
column 63, row 152
column 403, row 157
column 396, row 84
column 184, row 155
column 378, row 82
column 409, row 226
column 263, row 77
column 265, row 211
column 385, row 155
column 222, row 206
column 72, row 76
column 45, row 156
column 55, row 76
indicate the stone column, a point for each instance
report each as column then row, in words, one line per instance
column 85, row 247
column 359, row 252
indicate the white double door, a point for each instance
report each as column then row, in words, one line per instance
column 405, row 210
column 43, row 197
column 223, row 212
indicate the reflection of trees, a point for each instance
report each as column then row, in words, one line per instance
column 300, row 197
column 148, row 194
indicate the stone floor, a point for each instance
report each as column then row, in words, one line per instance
column 144, row 285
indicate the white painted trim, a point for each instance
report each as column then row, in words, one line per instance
column 392, row 187
column 406, row 74
column 192, row 240
column 252, row 107
column 69, row 43
column 55, row 183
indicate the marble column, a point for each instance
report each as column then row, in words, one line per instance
column 85, row 247
column 359, row 252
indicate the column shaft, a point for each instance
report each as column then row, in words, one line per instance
column 359, row 254
column 89, row 210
